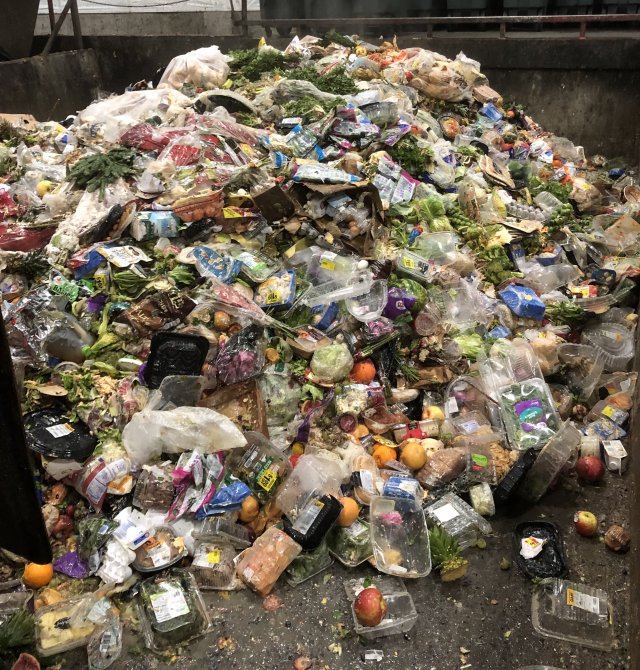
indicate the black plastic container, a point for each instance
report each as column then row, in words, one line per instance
column 50, row 433
column 551, row 561
column 174, row 354
column 507, row 487
column 314, row 521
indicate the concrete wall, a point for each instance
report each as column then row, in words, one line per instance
column 587, row 90
column 164, row 23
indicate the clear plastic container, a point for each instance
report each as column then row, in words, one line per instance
column 256, row 266
column 458, row 519
column 437, row 246
column 598, row 304
column 610, row 410
column 545, row 279
column 553, row 457
column 547, row 202
column 349, row 286
column 261, row 565
column 308, row 564
column 401, row 613
column 572, row 612
column 482, row 499
column 163, row 549
column 614, row 341
column 236, row 534
column 327, row 266
column 351, row 545
column 213, row 564
column 415, row 266
column 400, row 537
column 55, row 633
column 171, row 610
column 583, row 366
column 260, row 466
column 307, row 341
column 369, row 306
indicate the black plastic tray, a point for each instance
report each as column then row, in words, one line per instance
column 50, row 433
column 507, row 487
column 174, row 354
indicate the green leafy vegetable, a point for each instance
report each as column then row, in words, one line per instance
column 95, row 172
column 414, row 159
column 470, row 344
column 17, row 631
column 253, row 63
column 334, row 81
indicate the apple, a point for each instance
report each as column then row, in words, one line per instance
column 590, row 468
column 586, row 523
column 432, row 412
column 370, row 607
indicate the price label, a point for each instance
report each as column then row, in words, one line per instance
column 273, row 297
column 213, row 557
column 409, row 263
column 326, row 264
column 267, row 480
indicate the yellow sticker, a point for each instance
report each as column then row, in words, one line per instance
column 326, row 264
column 571, row 600
column 409, row 263
column 213, row 557
column 273, row 297
column 532, row 542
column 69, row 427
column 609, row 411
column 231, row 213
column 384, row 441
column 267, row 480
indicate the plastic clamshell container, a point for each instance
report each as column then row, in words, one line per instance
column 213, row 564
column 308, row 341
column 437, row 246
column 50, row 639
column 212, row 527
column 597, row 304
column 458, row 519
column 256, row 266
column 351, row 545
column 369, row 306
column 308, row 564
column 156, row 553
column 400, row 537
column 551, row 459
column 401, row 613
column 350, row 286
column 260, row 466
column 614, row 341
column 584, row 365
column 313, row 521
column 576, row 613
column 415, row 266
column 154, row 488
column 171, row 610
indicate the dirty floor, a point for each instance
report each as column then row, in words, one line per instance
column 486, row 615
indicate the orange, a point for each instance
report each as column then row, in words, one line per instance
column 350, row 511
column 250, row 509
column 359, row 431
column 382, row 454
column 413, row 455
column 36, row 576
column 363, row 372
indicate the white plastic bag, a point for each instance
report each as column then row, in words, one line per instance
column 206, row 67
column 151, row 433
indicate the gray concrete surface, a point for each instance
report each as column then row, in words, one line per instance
column 487, row 613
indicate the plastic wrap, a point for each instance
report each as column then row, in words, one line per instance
column 202, row 68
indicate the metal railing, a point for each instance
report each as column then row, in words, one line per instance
column 428, row 22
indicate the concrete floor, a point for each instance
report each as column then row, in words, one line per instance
column 454, row 616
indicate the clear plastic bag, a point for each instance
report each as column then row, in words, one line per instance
column 242, row 356
column 206, row 68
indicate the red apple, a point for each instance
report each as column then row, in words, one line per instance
column 586, row 523
column 590, row 468
column 370, row 607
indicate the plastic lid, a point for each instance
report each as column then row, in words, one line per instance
column 174, row 354
column 572, row 612
column 50, row 433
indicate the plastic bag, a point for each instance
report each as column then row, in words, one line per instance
column 442, row 83
column 105, row 644
column 151, row 433
column 242, row 356
column 261, row 565
column 206, row 68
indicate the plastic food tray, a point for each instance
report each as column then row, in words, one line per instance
column 64, row 610
column 582, row 380
column 340, row 538
column 401, row 613
column 321, row 561
column 399, row 531
column 458, row 519
column 614, row 341
column 575, row 613
column 238, row 535
column 550, row 461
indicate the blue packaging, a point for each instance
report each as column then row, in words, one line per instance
column 328, row 314
column 523, row 301
column 278, row 291
column 402, row 487
column 490, row 111
column 86, row 262
column 210, row 263
column 499, row 332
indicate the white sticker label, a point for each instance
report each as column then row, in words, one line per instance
column 583, row 601
column 169, row 605
column 452, row 405
column 61, row 430
column 308, row 516
column 159, row 555
column 366, row 481
column 355, row 529
column 446, row 513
